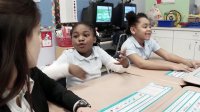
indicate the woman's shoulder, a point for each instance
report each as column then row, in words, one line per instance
column 4, row 108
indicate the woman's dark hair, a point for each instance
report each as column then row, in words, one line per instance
column 91, row 27
column 18, row 18
column 132, row 19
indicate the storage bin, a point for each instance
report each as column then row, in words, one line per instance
column 64, row 42
column 165, row 23
column 193, row 25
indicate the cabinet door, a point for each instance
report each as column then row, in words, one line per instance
column 165, row 43
column 184, row 48
column 164, row 39
column 197, row 51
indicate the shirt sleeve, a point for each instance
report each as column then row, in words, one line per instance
column 129, row 47
column 53, row 91
column 109, row 62
column 59, row 68
column 155, row 45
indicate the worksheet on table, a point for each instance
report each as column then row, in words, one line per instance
column 139, row 100
column 187, row 102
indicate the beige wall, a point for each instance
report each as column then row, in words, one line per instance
column 140, row 5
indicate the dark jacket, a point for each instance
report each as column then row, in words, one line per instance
column 47, row 89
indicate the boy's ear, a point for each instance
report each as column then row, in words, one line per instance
column 132, row 29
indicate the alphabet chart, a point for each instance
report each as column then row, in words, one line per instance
column 140, row 100
column 197, row 74
column 193, row 77
column 187, row 102
column 177, row 74
column 180, row 74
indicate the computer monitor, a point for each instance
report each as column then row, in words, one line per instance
column 103, row 14
column 98, row 14
column 119, row 14
column 127, row 9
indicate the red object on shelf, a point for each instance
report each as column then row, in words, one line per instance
column 158, row 1
column 64, row 42
column 183, row 24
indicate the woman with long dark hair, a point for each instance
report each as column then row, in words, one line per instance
column 23, row 87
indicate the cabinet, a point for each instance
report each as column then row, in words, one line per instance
column 184, row 48
column 197, row 51
column 186, row 44
column 197, row 48
column 164, row 39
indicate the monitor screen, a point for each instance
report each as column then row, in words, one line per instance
column 128, row 9
column 104, row 14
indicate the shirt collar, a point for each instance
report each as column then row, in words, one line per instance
column 92, row 56
column 23, row 91
column 31, row 84
column 146, row 42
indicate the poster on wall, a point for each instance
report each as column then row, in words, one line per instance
column 68, row 11
column 46, row 37
column 168, row 1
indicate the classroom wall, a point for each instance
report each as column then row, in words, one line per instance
column 180, row 5
column 45, row 7
column 140, row 5
column 47, row 54
column 197, row 2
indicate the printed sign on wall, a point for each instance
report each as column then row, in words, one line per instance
column 46, row 37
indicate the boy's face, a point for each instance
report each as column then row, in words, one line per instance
column 83, row 39
column 143, row 29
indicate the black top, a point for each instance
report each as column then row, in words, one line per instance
column 45, row 89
